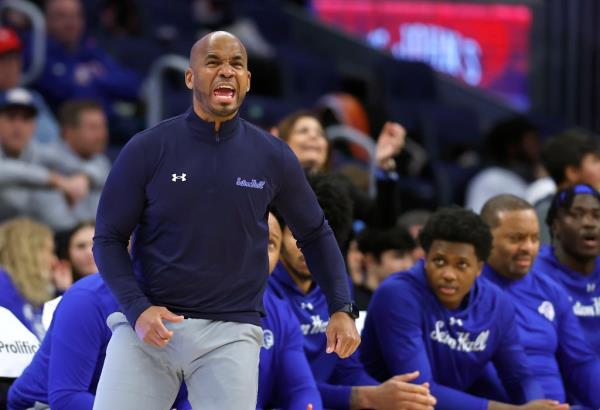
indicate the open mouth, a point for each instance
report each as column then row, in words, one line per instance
column 447, row 290
column 590, row 240
column 224, row 94
column 523, row 262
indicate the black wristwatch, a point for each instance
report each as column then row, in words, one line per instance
column 351, row 309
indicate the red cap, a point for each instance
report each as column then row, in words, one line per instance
column 9, row 41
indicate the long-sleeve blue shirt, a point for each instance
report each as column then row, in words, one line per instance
column 285, row 379
column 583, row 291
column 408, row 329
column 65, row 371
column 335, row 377
column 552, row 338
column 11, row 299
column 197, row 200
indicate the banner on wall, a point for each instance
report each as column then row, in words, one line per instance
column 482, row 45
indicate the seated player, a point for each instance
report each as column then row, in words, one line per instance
column 285, row 379
column 65, row 371
column 572, row 260
column 559, row 356
column 440, row 319
column 343, row 384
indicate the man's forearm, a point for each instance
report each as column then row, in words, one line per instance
column 360, row 398
column 495, row 405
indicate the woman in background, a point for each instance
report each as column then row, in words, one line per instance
column 27, row 260
column 75, row 254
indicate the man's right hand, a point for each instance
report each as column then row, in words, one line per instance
column 150, row 328
column 396, row 393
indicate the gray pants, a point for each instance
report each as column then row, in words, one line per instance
column 217, row 360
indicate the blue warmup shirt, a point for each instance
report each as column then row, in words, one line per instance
column 197, row 200
column 65, row 372
column 583, row 291
column 285, row 379
column 408, row 329
column 11, row 299
column 334, row 376
column 552, row 338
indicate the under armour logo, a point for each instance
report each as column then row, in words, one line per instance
column 591, row 287
column 176, row 177
column 455, row 321
column 308, row 306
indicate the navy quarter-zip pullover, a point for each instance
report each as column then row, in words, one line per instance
column 196, row 201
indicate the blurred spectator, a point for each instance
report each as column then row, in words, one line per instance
column 77, row 68
column 513, row 155
column 11, row 69
column 385, row 252
column 305, row 135
column 120, row 17
column 28, row 169
column 26, row 263
column 414, row 221
column 570, row 158
column 85, row 136
column 74, row 250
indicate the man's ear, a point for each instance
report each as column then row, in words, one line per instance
column 249, row 77
column 189, row 78
column 480, row 268
column 572, row 174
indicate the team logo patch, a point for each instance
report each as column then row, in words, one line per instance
column 268, row 339
column 252, row 184
column 546, row 309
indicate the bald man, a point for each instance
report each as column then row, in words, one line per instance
column 195, row 189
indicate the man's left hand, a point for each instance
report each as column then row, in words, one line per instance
column 342, row 336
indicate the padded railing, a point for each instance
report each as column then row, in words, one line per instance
column 154, row 85
column 38, row 44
